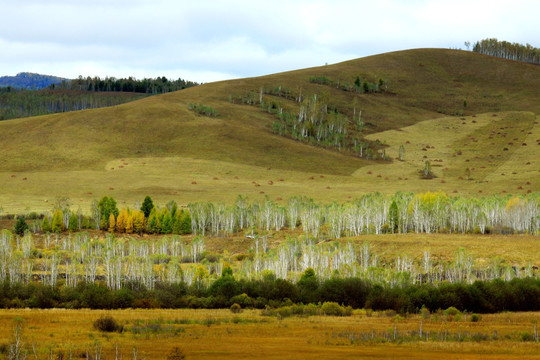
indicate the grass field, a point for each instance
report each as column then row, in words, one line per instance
column 220, row 334
column 158, row 147
column 468, row 144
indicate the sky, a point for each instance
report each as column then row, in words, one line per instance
column 207, row 41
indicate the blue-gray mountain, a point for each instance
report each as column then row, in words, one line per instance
column 28, row 80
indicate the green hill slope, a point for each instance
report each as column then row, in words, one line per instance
column 158, row 146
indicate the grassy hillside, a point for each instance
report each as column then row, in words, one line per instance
column 450, row 100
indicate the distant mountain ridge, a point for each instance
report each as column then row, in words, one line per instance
column 28, row 80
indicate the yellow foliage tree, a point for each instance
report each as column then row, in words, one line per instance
column 513, row 203
column 138, row 222
column 121, row 221
column 129, row 222
column 428, row 200
column 112, row 223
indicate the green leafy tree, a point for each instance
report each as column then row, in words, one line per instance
column 20, row 226
column 107, row 206
column 308, row 285
column 147, row 206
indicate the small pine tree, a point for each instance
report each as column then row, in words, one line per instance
column 46, row 225
column 357, row 82
column 147, row 206
column 57, row 224
column 365, row 86
column 166, row 223
column 393, row 215
column 20, row 226
column 154, row 226
column 73, row 223
column 186, row 223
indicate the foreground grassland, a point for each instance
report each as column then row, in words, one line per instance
column 220, row 334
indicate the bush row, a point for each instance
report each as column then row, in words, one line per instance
column 479, row 297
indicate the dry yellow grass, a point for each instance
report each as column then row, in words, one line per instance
column 219, row 334
column 518, row 250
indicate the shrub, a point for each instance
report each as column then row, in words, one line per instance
column 235, row 308
column 243, row 300
column 475, row 318
column 176, row 354
column 311, row 309
column 107, row 324
column 332, row 309
column 284, row 311
column 526, row 336
column 452, row 311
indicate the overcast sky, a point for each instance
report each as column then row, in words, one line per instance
column 214, row 40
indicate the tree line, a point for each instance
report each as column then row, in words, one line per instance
column 159, row 85
column 508, row 50
column 17, row 103
column 106, row 216
column 82, row 94
column 124, row 259
column 372, row 213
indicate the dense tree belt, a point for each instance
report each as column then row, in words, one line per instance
column 481, row 297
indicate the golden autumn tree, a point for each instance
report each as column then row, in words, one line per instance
column 129, row 222
column 121, row 221
column 138, row 222
column 112, row 223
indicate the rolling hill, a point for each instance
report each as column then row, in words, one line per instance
column 454, row 108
